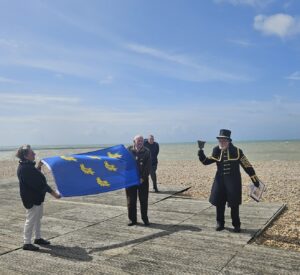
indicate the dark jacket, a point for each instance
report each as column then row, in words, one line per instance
column 227, row 185
column 33, row 184
column 154, row 150
column 143, row 161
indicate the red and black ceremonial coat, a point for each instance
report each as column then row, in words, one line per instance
column 227, row 185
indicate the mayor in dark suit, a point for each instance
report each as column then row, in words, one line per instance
column 142, row 157
column 227, row 185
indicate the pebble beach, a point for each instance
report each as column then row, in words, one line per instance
column 282, row 179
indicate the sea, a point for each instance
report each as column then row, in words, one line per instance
column 254, row 150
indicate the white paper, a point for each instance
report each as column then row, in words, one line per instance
column 256, row 192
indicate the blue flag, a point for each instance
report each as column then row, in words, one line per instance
column 93, row 172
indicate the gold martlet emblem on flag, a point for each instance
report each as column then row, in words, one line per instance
column 103, row 183
column 69, row 158
column 115, row 156
column 94, row 157
column 110, row 167
column 88, row 171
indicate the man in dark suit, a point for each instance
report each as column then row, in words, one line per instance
column 227, row 186
column 143, row 161
column 154, row 150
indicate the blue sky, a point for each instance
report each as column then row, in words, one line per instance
column 93, row 72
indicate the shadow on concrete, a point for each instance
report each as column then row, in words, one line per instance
column 171, row 193
column 167, row 230
column 72, row 253
column 250, row 231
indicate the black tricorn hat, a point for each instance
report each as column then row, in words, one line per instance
column 224, row 133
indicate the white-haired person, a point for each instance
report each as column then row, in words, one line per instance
column 33, row 188
column 143, row 162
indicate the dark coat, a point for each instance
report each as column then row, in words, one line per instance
column 143, row 162
column 227, row 185
column 154, row 150
column 33, row 184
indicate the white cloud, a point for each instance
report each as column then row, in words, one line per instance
column 241, row 42
column 158, row 54
column 182, row 66
column 35, row 99
column 82, row 124
column 99, row 64
column 294, row 76
column 282, row 25
column 77, row 21
column 58, row 66
column 252, row 3
column 102, row 65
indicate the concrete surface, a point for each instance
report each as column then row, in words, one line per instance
column 89, row 235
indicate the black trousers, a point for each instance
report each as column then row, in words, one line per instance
column 235, row 216
column 131, row 193
column 153, row 175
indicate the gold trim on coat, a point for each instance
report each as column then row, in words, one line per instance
column 233, row 158
column 220, row 157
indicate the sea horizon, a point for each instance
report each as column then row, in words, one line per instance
column 105, row 145
column 254, row 150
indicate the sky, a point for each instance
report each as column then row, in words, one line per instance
column 102, row 71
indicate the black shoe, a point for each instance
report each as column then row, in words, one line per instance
column 220, row 227
column 30, row 247
column 132, row 223
column 237, row 229
column 156, row 190
column 41, row 241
